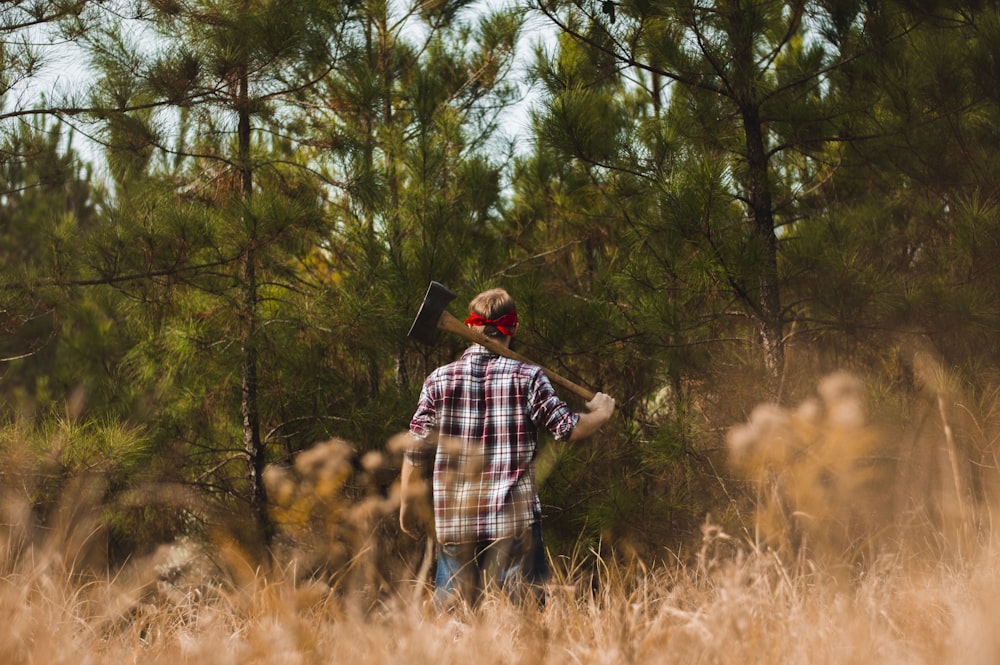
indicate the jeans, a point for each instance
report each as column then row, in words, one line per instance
column 514, row 566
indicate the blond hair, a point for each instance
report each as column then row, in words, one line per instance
column 492, row 304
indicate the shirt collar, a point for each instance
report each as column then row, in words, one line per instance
column 479, row 350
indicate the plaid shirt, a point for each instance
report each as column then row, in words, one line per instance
column 487, row 411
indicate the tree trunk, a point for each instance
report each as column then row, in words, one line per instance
column 768, row 303
column 252, row 443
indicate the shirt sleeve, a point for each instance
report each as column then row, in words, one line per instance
column 424, row 420
column 548, row 412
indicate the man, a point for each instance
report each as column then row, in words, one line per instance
column 477, row 421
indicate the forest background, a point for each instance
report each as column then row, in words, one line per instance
column 212, row 252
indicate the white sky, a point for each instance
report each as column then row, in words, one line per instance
column 65, row 73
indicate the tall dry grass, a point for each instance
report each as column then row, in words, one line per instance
column 836, row 568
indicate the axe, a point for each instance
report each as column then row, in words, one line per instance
column 434, row 316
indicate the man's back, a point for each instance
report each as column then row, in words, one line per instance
column 484, row 412
column 487, row 410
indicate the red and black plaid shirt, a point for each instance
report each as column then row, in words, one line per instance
column 487, row 411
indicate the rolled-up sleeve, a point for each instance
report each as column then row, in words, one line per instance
column 424, row 420
column 548, row 412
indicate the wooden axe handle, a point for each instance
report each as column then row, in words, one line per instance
column 449, row 323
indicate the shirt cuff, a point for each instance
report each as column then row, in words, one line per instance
column 566, row 427
column 419, row 453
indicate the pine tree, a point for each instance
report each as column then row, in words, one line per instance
column 731, row 91
column 47, row 204
column 905, row 223
column 227, row 137
column 197, row 97
column 408, row 129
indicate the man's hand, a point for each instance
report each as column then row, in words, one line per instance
column 599, row 411
column 604, row 404
column 413, row 500
column 407, row 524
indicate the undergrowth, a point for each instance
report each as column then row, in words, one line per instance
column 840, row 566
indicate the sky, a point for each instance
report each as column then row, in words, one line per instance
column 65, row 72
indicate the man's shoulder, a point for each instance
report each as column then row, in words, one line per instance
column 448, row 369
column 529, row 375
column 457, row 367
column 520, row 366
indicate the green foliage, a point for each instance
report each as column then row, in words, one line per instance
column 60, row 454
column 707, row 188
column 690, row 227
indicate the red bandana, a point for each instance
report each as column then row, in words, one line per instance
column 506, row 324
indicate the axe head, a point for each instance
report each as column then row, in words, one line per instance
column 425, row 325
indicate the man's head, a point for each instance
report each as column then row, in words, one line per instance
column 493, row 313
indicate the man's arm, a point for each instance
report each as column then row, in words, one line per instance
column 409, row 493
column 599, row 411
column 414, row 493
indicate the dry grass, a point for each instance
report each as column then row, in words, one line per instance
column 824, row 580
column 747, row 612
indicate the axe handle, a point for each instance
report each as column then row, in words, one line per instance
column 449, row 323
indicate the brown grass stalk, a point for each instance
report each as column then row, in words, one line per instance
column 827, row 582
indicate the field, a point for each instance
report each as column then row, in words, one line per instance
column 746, row 612
column 819, row 580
